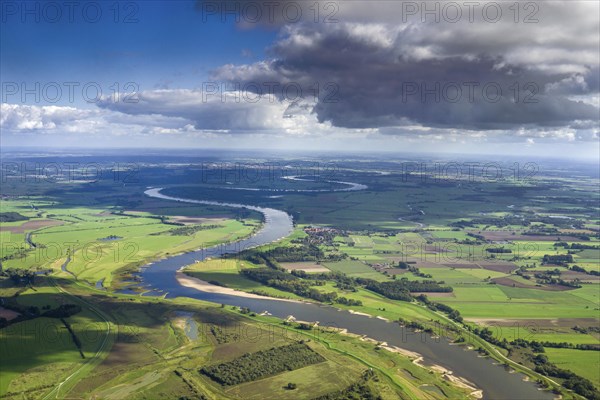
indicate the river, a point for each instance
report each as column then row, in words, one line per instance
column 493, row 379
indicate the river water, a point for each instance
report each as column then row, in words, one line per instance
column 493, row 379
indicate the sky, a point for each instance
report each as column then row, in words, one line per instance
column 506, row 77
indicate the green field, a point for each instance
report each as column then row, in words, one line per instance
column 150, row 335
column 580, row 362
column 450, row 233
column 355, row 269
column 82, row 233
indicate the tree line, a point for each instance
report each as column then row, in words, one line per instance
column 401, row 289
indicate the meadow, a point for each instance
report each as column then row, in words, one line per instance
column 95, row 245
column 485, row 238
column 152, row 354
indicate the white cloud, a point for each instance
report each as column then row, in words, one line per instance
column 213, row 109
column 14, row 117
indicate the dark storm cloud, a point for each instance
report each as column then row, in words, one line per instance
column 577, row 84
column 377, row 66
column 377, row 75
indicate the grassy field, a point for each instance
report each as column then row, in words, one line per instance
column 578, row 361
column 100, row 244
column 355, row 269
column 443, row 229
column 31, row 346
column 151, row 342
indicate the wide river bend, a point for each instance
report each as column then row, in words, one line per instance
column 493, row 379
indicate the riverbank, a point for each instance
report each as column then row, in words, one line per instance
column 278, row 224
column 418, row 359
column 203, row 286
column 447, row 374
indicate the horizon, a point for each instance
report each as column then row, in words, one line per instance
column 273, row 153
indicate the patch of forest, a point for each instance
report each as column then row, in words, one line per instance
column 12, row 217
column 253, row 366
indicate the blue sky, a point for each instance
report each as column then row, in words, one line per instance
column 353, row 75
column 161, row 44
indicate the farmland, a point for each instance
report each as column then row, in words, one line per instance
column 494, row 261
column 96, row 245
column 150, row 335
column 483, row 256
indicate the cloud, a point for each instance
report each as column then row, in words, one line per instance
column 384, row 72
column 548, row 35
column 14, row 117
column 213, row 109
column 165, row 111
column 17, row 119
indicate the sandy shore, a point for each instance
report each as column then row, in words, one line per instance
column 360, row 313
column 449, row 375
column 203, row 286
column 399, row 350
column 417, row 359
